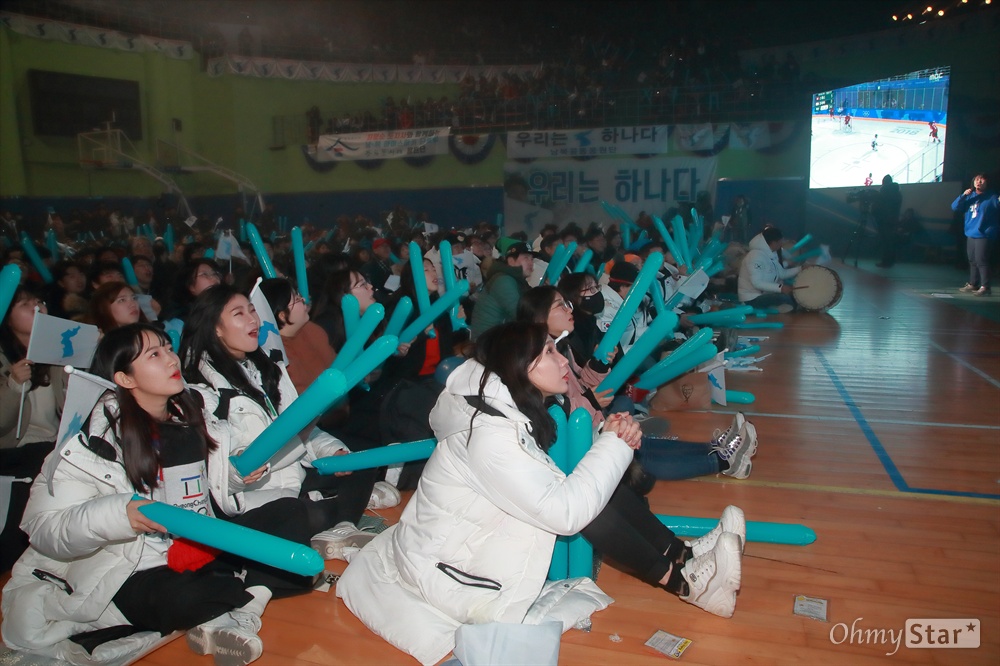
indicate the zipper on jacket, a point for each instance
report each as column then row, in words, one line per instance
column 52, row 578
column 468, row 579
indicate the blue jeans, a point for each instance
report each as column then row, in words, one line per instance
column 674, row 459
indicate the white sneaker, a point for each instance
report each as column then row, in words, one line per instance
column 231, row 639
column 738, row 451
column 332, row 542
column 714, row 578
column 384, row 496
column 732, row 521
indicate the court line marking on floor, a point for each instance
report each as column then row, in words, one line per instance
column 840, row 419
column 844, row 490
column 965, row 364
column 880, row 452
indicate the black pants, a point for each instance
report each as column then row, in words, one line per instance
column 628, row 532
column 164, row 600
column 23, row 462
column 346, row 497
column 978, row 251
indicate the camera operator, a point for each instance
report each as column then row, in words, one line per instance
column 886, row 213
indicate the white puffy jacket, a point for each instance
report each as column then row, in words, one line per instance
column 82, row 540
column 246, row 420
column 474, row 543
column 761, row 271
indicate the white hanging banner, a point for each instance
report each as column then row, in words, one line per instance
column 647, row 139
column 382, row 145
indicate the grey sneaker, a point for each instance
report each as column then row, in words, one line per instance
column 967, row 288
column 738, row 451
column 721, row 438
column 732, row 521
column 332, row 542
column 231, row 639
column 714, row 578
column 384, row 496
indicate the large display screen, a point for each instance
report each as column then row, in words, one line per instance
column 896, row 126
column 66, row 104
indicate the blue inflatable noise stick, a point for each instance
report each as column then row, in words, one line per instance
column 580, row 439
column 10, row 279
column 746, row 351
column 559, row 452
column 584, row 261
column 643, row 347
column 559, row 262
column 394, row 454
column 168, row 238
column 52, row 244
column 784, row 533
column 35, row 259
column 438, row 308
column 351, row 310
column 236, row 539
column 419, row 282
column 669, row 240
column 299, row 255
column 129, row 271
column 805, row 239
column 448, row 271
column 758, row 324
column 257, row 243
column 399, row 316
column 651, row 380
column 632, row 301
column 358, row 338
column 680, row 238
column 739, row 398
column 369, row 359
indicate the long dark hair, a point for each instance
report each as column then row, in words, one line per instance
column 100, row 305
column 12, row 347
column 279, row 294
column 200, row 340
column 135, row 429
column 327, row 308
column 571, row 286
column 534, row 305
column 507, row 351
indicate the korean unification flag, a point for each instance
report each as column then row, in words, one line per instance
column 83, row 390
column 267, row 335
column 717, row 382
column 229, row 249
column 58, row 341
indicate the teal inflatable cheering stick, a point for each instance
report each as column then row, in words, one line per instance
column 802, row 241
column 680, row 238
column 758, row 324
column 739, row 398
column 643, row 347
column 448, row 271
column 669, row 240
column 243, row 230
column 580, row 439
column 129, row 270
column 351, row 310
column 746, row 351
column 657, row 292
column 419, row 282
column 52, row 244
column 694, row 237
column 651, row 380
column 168, row 238
column 394, row 454
column 399, row 316
column 236, row 539
column 559, row 262
column 559, row 453
column 438, row 308
column 327, row 389
column 299, row 255
column 624, row 315
column 36, row 261
column 257, row 243
column 358, row 337
column 10, row 279
column 785, row 533
column 584, row 262
column 730, row 315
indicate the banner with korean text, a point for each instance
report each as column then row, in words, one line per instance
column 382, row 145
column 644, row 140
column 564, row 191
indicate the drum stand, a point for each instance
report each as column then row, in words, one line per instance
column 859, row 233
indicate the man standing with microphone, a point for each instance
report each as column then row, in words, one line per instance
column 982, row 226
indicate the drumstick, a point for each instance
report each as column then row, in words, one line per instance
column 805, row 286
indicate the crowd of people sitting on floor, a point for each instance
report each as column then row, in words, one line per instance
column 475, row 538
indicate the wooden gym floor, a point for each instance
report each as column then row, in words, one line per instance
column 878, row 427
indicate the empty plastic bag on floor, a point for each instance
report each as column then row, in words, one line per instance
column 497, row 644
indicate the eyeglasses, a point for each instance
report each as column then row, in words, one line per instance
column 361, row 284
column 297, row 299
column 589, row 291
column 565, row 305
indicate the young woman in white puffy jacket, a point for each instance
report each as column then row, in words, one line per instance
column 220, row 349
column 474, row 543
column 102, row 582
